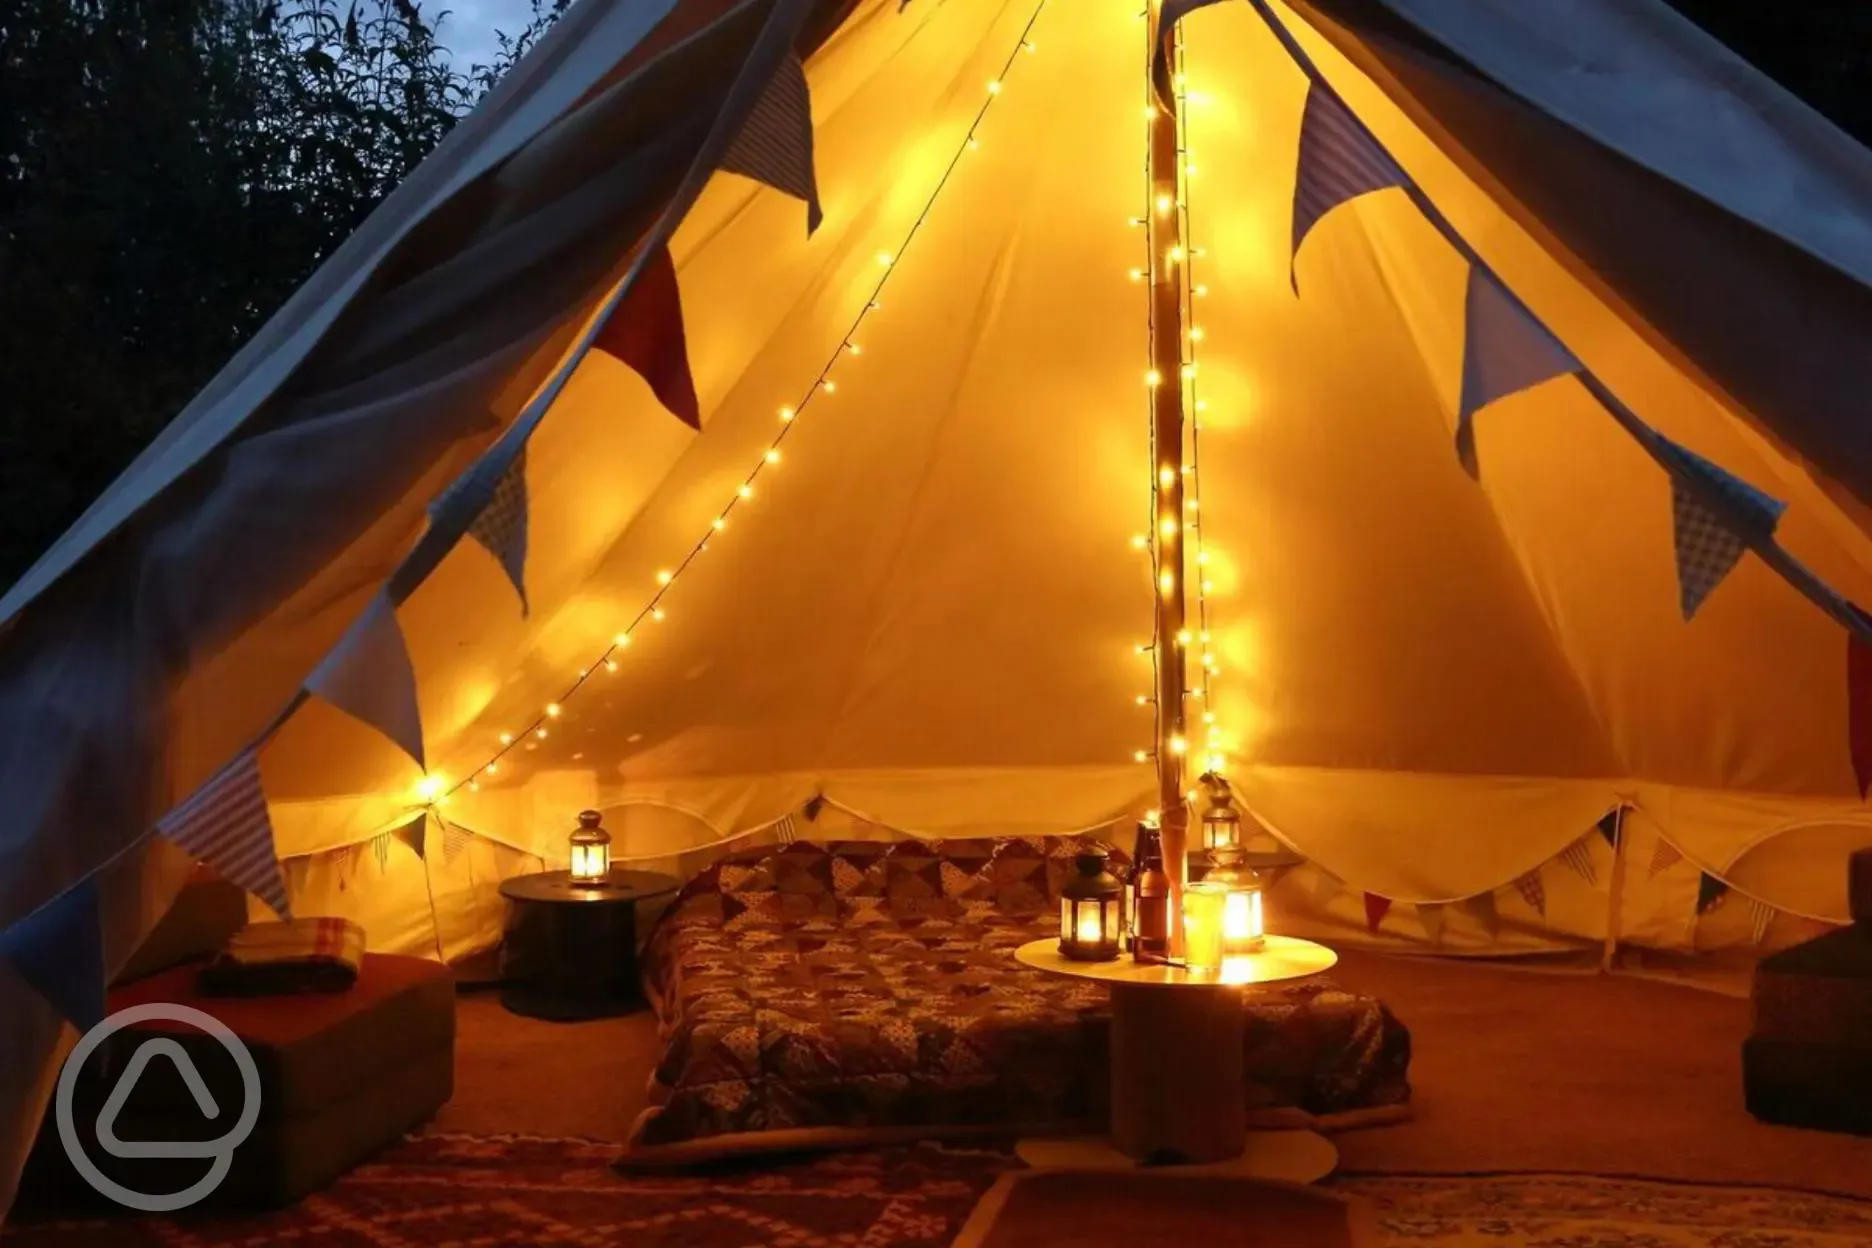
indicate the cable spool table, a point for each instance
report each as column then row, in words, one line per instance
column 570, row 950
column 1176, row 1068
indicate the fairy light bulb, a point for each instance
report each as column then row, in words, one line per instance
column 1143, row 699
column 884, row 258
column 787, row 414
column 1164, row 205
column 664, row 577
column 718, row 524
column 1179, row 746
column 1142, row 756
column 429, row 788
column 1137, row 275
column 1196, row 334
column 1167, row 582
column 854, row 348
column 491, row 768
column 973, row 143
column 1183, row 637
column 772, row 456
column 656, row 613
column 1140, row 542
column 746, row 491
column 540, row 732
column 994, row 86
column 1169, row 526
column 611, row 665
column 1175, row 254
column 828, row 385
column 1166, row 476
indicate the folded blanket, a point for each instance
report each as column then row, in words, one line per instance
column 271, row 959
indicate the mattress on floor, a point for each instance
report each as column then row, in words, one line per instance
column 824, row 992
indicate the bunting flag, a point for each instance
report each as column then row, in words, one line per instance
column 224, row 824
column 501, row 526
column 1708, row 546
column 1533, row 891
column 1761, row 914
column 1376, row 908
column 1482, row 906
column 1339, row 160
column 1609, row 826
column 58, row 950
column 1505, row 351
column 1663, row 858
column 344, row 864
column 1710, row 891
column 786, row 831
column 645, row 333
column 1578, row 858
column 413, row 834
column 1859, row 710
column 1172, row 12
column 455, row 839
column 380, row 845
column 368, row 676
column 1430, row 914
column 775, row 146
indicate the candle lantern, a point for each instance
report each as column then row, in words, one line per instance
column 1239, row 885
column 1091, row 901
column 591, row 850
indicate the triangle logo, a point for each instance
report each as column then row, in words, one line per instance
column 126, row 1084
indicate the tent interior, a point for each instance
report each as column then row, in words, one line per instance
column 904, row 581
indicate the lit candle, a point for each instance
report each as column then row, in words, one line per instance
column 1091, row 931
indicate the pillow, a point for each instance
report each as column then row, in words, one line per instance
column 273, row 959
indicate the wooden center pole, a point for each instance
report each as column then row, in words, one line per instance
column 1166, row 281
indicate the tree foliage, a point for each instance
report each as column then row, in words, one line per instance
column 170, row 171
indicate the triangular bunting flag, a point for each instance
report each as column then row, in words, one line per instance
column 1482, row 906
column 1709, row 546
column 1761, row 914
column 344, row 864
column 1172, row 12
column 1578, row 858
column 380, row 845
column 1533, row 891
column 1505, row 351
column 786, row 832
column 1376, row 908
column 1430, row 914
column 1339, row 160
column 224, row 824
column 1609, row 826
column 502, row 526
column 59, row 950
column 413, row 834
column 1663, row 858
column 368, row 676
column 1859, row 710
column 775, row 145
column 1710, row 891
column 645, row 332
column 455, row 839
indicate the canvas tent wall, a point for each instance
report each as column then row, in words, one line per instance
column 927, row 613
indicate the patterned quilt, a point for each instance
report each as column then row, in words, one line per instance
column 865, row 985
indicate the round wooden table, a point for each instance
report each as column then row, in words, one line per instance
column 570, row 950
column 1176, row 1068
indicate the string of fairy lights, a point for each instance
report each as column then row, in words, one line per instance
column 1183, row 259
column 434, row 790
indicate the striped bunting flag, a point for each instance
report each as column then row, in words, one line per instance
column 1578, row 857
column 380, row 845
column 1505, row 351
column 1339, row 160
column 775, row 145
column 58, row 950
column 224, row 824
column 1663, row 858
column 1533, row 891
column 455, row 839
column 786, row 831
column 1707, row 547
column 1761, row 914
column 368, row 675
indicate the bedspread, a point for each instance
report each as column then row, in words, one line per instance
column 867, row 987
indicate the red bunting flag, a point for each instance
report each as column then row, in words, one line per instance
column 645, row 332
column 1376, row 908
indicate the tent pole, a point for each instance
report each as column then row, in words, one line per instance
column 1166, row 331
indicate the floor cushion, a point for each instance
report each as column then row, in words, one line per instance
column 341, row 1075
column 1807, row 1061
column 866, row 991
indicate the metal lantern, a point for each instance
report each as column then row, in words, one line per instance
column 1244, row 927
column 1091, row 911
column 591, row 850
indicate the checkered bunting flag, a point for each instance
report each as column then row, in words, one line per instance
column 1708, row 549
column 455, row 839
column 1533, row 891
column 1663, row 858
column 1339, row 160
column 224, row 824
column 58, row 950
column 501, row 528
column 1505, row 351
column 1578, row 858
column 775, row 146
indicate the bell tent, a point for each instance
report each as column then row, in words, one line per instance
column 976, row 417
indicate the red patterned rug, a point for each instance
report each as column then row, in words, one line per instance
column 452, row 1191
